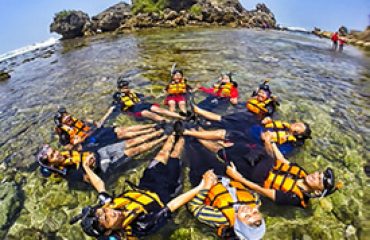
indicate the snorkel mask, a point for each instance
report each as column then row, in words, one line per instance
column 329, row 183
column 45, row 169
column 121, row 83
column 58, row 116
column 89, row 220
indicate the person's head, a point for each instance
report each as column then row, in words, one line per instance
column 102, row 221
column 123, row 85
column 49, row 159
column 226, row 77
column 301, row 130
column 321, row 184
column 249, row 223
column 262, row 95
column 177, row 75
column 61, row 117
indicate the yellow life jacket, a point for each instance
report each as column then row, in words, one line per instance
column 78, row 128
column 284, row 177
column 282, row 132
column 128, row 100
column 177, row 88
column 257, row 107
column 220, row 198
column 223, row 90
column 135, row 202
column 74, row 158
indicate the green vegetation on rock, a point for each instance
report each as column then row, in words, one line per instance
column 196, row 10
column 148, row 6
column 62, row 14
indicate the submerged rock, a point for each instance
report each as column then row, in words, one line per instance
column 70, row 24
column 4, row 76
column 10, row 205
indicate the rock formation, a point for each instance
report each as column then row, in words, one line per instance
column 162, row 13
column 71, row 24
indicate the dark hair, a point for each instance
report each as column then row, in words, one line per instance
column 177, row 71
column 302, row 137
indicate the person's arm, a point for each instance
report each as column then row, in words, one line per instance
column 232, row 172
column 94, row 179
column 105, row 117
column 272, row 149
column 184, row 198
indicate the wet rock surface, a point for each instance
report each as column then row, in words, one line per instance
column 328, row 91
column 4, row 76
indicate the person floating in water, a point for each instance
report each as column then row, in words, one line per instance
column 144, row 209
column 133, row 103
column 283, row 182
column 176, row 91
column 104, row 160
column 262, row 103
column 222, row 93
column 230, row 207
column 77, row 134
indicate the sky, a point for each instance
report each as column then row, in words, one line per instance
column 24, row 22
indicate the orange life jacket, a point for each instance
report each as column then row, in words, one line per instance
column 221, row 198
column 257, row 107
column 74, row 158
column 78, row 128
column 223, row 90
column 177, row 88
column 282, row 132
column 284, row 177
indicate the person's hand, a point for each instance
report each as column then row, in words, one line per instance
column 266, row 120
column 89, row 161
column 232, row 172
column 209, row 179
column 77, row 139
column 267, row 136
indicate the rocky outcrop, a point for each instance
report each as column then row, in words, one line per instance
column 356, row 38
column 71, row 24
column 4, row 76
column 112, row 18
column 162, row 13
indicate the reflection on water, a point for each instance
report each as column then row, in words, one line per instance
column 330, row 91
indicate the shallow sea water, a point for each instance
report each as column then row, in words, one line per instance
column 330, row 91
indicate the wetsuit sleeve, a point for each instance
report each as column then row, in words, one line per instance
column 282, row 198
column 204, row 213
column 270, row 109
column 206, row 90
column 234, row 92
column 140, row 95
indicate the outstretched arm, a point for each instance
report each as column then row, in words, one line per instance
column 232, row 172
column 94, row 179
column 272, row 148
column 104, row 118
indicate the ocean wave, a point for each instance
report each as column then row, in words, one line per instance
column 298, row 29
column 51, row 41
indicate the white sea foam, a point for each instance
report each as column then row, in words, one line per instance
column 298, row 29
column 51, row 41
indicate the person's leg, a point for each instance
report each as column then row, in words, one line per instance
column 153, row 116
column 182, row 106
column 141, row 139
column 163, row 155
column 133, row 151
column 211, row 145
column 124, row 133
column 172, row 105
column 206, row 114
column 166, row 112
column 206, row 135
column 177, row 149
column 136, row 127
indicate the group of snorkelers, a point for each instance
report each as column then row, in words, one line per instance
column 233, row 159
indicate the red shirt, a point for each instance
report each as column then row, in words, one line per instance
column 234, row 93
column 335, row 37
